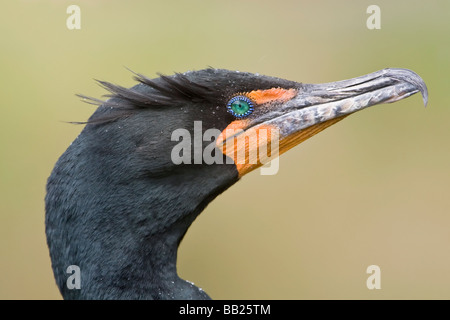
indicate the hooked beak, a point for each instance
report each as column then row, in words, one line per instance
column 321, row 105
column 318, row 106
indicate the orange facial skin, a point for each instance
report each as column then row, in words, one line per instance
column 244, row 149
column 274, row 94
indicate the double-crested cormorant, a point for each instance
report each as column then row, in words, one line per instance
column 122, row 196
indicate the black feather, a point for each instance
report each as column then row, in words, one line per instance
column 204, row 87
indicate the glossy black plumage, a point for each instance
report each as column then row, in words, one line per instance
column 116, row 204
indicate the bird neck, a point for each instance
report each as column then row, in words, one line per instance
column 146, row 268
column 122, row 228
column 120, row 258
column 119, row 213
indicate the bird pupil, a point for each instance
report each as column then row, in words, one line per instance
column 240, row 106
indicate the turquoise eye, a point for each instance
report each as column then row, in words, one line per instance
column 240, row 106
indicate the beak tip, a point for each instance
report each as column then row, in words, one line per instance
column 424, row 93
column 425, row 101
column 411, row 77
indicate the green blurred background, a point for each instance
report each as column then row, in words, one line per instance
column 373, row 189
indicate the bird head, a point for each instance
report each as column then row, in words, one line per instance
column 151, row 157
column 248, row 118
